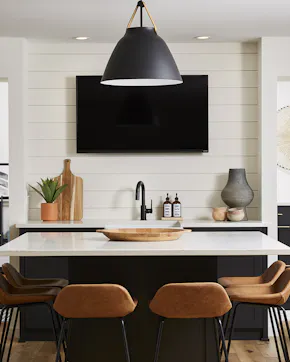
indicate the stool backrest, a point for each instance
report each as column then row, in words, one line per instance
column 94, row 301
column 5, row 289
column 12, row 275
column 274, row 272
column 282, row 286
column 191, row 300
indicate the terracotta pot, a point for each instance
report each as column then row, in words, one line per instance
column 219, row 213
column 49, row 212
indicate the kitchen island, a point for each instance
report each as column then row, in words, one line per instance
column 142, row 267
column 190, row 244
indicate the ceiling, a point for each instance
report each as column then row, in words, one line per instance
column 177, row 20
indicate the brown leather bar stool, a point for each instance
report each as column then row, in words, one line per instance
column 94, row 301
column 12, row 298
column 271, row 297
column 190, row 301
column 269, row 277
column 19, row 281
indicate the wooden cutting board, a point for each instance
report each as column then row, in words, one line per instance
column 70, row 201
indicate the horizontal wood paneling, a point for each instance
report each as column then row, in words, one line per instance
column 233, row 130
column 110, row 180
column 229, row 147
column 134, row 164
column 66, row 130
column 126, row 198
column 224, row 96
column 196, row 213
column 104, row 48
column 233, row 113
column 217, row 79
column 52, row 131
column 51, row 114
column 154, row 182
column 97, row 62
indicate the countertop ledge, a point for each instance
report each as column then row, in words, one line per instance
column 87, row 223
column 209, row 243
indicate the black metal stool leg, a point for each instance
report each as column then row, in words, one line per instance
column 283, row 334
column 226, row 327
column 64, row 342
column 125, row 340
column 232, row 326
column 13, row 333
column 217, row 339
column 159, row 336
column 53, row 326
column 223, row 319
column 222, row 338
column 228, row 317
column 280, row 334
column 60, row 340
column 8, row 317
column 59, row 321
column 274, row 333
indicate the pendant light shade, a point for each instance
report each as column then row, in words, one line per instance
column 141, row 58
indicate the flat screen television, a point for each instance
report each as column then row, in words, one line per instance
column 142, row 119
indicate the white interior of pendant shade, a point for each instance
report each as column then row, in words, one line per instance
column 141, row 82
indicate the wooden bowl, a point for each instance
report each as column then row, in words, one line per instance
column 140, row 234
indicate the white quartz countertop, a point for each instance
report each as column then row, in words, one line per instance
column 94, row 244
column 101, row 223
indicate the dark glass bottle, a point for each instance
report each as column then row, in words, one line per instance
column 176, row 208
column 167, row 207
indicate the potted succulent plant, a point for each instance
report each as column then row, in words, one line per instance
column 49, row 192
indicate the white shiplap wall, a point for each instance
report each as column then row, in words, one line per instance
column 110, row 180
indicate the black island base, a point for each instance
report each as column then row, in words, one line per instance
column 182, row 340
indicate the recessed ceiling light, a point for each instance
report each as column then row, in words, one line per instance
column 81, row 38
column 203, row 37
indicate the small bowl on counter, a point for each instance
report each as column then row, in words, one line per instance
column 219, row 213
column 236, row 214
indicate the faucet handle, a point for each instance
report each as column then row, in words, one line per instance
column 150, row 211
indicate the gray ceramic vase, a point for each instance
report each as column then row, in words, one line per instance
column 237, row 192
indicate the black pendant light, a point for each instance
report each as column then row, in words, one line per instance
column 141, row 58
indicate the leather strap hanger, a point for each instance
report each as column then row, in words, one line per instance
column 141, row 5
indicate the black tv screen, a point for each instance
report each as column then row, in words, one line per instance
column 142, row 119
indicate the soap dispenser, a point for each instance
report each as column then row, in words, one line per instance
column 167, row 207
column 176, row 207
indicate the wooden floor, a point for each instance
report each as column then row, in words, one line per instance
column 241, row 351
